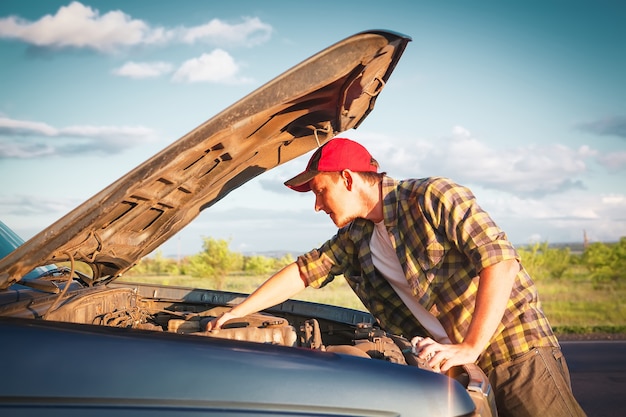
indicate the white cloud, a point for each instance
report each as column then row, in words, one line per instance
column 80, row 26
column 613, row 161
column 610, row 126
column 561, row 219
column 24, row 150
column 25, row 127
column 217, row 66
column 28, row 205
column 531, row 170
column 614, row 200
column 28, row 139
column 251, row 32
column 140, row 70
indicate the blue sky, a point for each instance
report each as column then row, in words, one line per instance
column 522, row 101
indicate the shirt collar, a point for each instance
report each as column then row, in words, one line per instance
column 390, row 201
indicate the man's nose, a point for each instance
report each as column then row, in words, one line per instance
column 318, row 204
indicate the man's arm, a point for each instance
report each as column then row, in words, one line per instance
column 494, row 291
column 279, row 287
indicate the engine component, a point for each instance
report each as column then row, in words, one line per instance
column 310, row 335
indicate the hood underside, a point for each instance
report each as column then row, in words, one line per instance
column 329, row 93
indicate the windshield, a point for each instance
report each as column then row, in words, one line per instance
column 9, row 241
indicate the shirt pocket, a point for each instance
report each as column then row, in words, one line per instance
column 429, row 259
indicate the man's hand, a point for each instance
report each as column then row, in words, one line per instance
column 278, row 288
column 442, row 356
column 494, row 292
column 218, row 322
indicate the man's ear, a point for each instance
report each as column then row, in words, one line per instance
column 347, row 178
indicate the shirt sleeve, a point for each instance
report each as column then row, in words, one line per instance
column 315, row 267
column 320, row 266
column 453, row 210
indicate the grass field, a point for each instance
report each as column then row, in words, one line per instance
column 574, row 305
column 336, row 293
column 584, row 307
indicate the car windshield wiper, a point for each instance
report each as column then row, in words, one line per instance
column 41, row 285
column 61, row 272
column 47, row 281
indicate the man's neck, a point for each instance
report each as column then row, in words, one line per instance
column 374, row 202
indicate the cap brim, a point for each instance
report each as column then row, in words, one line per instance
column 300, row 182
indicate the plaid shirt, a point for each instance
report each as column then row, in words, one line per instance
column 443, row 239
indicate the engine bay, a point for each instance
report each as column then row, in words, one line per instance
column 364, row 340
column 187, row 311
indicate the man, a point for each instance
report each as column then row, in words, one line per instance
column 425, row 259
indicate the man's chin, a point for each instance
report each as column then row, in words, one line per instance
column 336, row 221
column 341, row 222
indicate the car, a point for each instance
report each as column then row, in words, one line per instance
column 76, row 343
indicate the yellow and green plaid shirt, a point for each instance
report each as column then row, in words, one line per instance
column 443, row 239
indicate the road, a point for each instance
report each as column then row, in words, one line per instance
column 598, row 372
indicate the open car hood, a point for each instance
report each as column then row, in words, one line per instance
column 301, row 109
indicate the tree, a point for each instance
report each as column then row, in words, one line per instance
column 260, row 265
column 215, row 261
column 533, row 260
column 155, row 265
column 557, row 261
column 283, row 262
column 257, row 265
column 606, row 263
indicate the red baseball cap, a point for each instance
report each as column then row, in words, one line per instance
column 334, row 156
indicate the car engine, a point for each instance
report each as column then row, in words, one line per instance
column 187, row 311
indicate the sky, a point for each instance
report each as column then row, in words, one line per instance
column 522, row 101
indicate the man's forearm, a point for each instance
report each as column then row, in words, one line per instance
column 494, row 292
column 278, row 288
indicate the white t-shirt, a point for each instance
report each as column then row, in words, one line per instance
column 386, row 261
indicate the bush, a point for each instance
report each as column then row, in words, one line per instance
column 257, row 265
column 606, row 263
column 156, row 265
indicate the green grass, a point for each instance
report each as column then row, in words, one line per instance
column 573, row 304
column 336, row 293
column 581, row 306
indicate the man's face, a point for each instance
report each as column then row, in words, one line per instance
column 333, row 195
